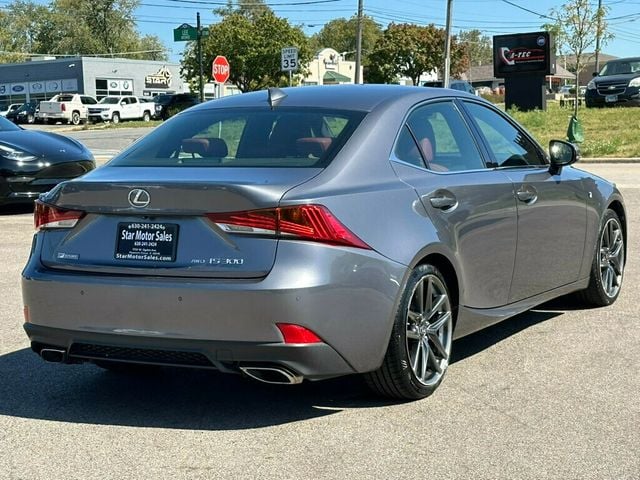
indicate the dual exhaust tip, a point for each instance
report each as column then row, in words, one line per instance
column 275, row 375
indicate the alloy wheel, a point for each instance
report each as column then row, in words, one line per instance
column 429, row 330
column 611, row 257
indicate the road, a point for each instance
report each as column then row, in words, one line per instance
column 552, row 393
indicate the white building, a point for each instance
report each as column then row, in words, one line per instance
column 329, row 67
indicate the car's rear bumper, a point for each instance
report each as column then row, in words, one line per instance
column 312, row 361
column 346, row 296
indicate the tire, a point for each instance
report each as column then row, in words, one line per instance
column 75, row 118
column 115, row 118
column 419, row 349
column 127, row 368
column 146, row 117
column 31, row 119
column 607, row 267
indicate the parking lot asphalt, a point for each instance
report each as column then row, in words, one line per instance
column 552, row 393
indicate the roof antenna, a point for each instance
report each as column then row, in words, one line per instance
column 275, row 96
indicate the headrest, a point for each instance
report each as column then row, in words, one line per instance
column 205, row 147
column 314, row 146
column 427, row 149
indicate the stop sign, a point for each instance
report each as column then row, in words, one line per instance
column 220, row 69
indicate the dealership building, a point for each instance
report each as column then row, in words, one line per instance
column 41, row 79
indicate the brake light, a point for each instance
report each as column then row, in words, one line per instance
column 63, row 107
column 293, row 333
column 304, row 222
column 48, row 216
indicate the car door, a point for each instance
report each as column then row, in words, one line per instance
column 130, row 109
column 552, row 211
column 472, row 208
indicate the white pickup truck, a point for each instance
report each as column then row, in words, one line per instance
column 125, row 107
column 66, row 107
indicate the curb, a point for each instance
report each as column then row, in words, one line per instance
column 609, row 160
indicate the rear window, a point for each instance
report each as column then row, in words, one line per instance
column 257, row 137
column 65, row 98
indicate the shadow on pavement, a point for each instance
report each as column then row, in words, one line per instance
column 193, row 399
column 16, row 209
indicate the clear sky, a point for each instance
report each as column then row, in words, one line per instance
column 493, row 17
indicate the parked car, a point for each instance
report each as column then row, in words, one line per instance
column 125, row 107
column 32, row 162
column 168, row 105
column 9, row 108
column 460, row 85
column 308, row 233
column 484, row 90
column 26, row 113
column 66, row 107
column 618, row 83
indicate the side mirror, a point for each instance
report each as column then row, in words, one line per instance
column 594, row 74
column 561, row 154
column 122, row 104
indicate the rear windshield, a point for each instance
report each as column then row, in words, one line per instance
column 244, row 137
column 65, row 98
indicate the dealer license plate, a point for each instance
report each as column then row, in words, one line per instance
column 150, row 242
column 611, row 98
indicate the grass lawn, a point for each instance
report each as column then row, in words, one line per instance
column 608, row 132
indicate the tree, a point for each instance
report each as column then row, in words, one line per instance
column 479, row 47
column 340, row 34
column 411, row 50
column 576, row 26
column 82, row 27
column 252, row 43
column 21, row 26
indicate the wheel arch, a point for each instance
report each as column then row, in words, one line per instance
column 449, row 272
column 617, row 207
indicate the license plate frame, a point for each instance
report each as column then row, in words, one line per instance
column 611, row 98
column 146, row 242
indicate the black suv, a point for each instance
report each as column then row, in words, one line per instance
column 26, row 113
column 618, row 83
column 168, row 105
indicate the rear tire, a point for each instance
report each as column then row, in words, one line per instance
column 607, row 268
column 419, row 349
column 146, row 117
column 75, row 118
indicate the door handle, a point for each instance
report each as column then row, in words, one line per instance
column 443, row 201
column 527, row 195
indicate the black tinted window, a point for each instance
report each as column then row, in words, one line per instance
column 407, row 149
column 510, row 147
column 258, row 137
column 444, row 139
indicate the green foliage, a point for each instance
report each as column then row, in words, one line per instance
column 70, row 27
column 409, row 50
column 252, row 44
column 479, row 47
column 340, row 34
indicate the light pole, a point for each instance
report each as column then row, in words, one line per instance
column 447, row 47
column 359, row 43
column 598, row 35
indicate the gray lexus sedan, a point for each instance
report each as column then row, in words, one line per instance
column 308, row 233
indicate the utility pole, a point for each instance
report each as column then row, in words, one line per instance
column 447, row 47
column 199, row 40
column 359, row 43
column 598, row 35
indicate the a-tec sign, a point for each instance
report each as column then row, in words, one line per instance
column 523, row 54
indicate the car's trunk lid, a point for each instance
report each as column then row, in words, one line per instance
column 170, row 235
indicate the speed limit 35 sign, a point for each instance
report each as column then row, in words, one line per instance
column 289, row 59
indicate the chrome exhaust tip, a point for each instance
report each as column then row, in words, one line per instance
column 274, row 375
column 53, row 355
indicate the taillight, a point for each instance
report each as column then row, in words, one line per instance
column 63, row 107
column 293, row 333
column 48, row 216
column 303, row 222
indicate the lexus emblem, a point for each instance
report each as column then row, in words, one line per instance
column 139, row 198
